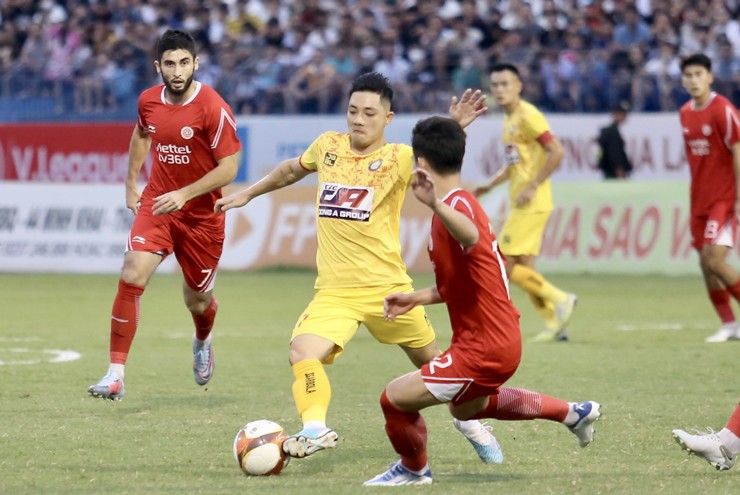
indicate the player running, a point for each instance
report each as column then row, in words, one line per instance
column 192, row 133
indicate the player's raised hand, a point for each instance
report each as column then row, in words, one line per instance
column 423, row 187
column 468, row 107
column 235, row 200
column 397, row 304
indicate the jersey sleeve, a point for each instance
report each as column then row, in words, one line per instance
column 222, row 130
column 729, row 124
column 406, row 163
column 309, row 158
column 537, row 128
column 461, row 204
column 140, row 121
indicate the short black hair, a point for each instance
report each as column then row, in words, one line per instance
column 373, row 82
column 697, row 59
column 440, row 141
column 507, row 67
column 175, row 39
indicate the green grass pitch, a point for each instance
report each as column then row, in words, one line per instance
column 636, row 346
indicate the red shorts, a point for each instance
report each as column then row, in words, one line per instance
column 451, row 377
column 196, row 245
column 718, row 228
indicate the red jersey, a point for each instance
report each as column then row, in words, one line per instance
column 187, row 142
column 473, row 284
column 708, row 134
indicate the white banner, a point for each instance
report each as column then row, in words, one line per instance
column 603, row 227
column 654, row 143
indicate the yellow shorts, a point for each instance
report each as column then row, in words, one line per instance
column 522, row 233
column 336, row 314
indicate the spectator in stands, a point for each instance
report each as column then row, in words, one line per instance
column 631, row 30
column 443, row 30
column 25, row 73
column 307, row 88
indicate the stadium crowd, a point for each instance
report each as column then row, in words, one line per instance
column 291, row 56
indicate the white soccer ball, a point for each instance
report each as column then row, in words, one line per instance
column 258, row 448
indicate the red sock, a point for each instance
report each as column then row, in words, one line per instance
column 734, row 423
column 734, row 289
column 721, row 300
column 407, row 433
column 516, row 404
column 204, row 322
column 124, row 320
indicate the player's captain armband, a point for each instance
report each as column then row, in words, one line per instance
column 545, row 138
column 511, row 154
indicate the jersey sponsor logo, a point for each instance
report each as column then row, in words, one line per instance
column 706, row 129
column 511, row 154
column 187, row 132
column 375, row 165
column 345, row 202
column 172, row 154
column 330, row 159
column 699, row 147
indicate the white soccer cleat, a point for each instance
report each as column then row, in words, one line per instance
column 203, row 362
column 728, row 331
column 588, row 413
column 709, row 447
column 398, row 475
column 309, row 441
column 564, row 312
column 109, row 387
column 484, row 443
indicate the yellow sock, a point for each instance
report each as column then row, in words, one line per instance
column 311, row 390
column 546, row 309
column 536, row 285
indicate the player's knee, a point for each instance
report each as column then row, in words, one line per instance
column 714, row 262
column 130, row 275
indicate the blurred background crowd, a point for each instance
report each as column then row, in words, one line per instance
column 87, row 58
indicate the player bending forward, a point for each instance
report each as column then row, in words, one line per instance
column 486, row 340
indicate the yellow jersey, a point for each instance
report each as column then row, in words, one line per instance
column 524, row 153
column 358, row 212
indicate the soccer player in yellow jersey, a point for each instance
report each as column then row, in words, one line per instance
column 532, row 153
column 362, row 182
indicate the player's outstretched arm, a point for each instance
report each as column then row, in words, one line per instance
column 286, row 173
column 400, row 303
column 468, row 107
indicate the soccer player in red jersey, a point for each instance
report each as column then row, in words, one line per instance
column 486, row 342
column 711, row 132
column 191, row 133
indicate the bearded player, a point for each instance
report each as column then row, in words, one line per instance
column 191, row 133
